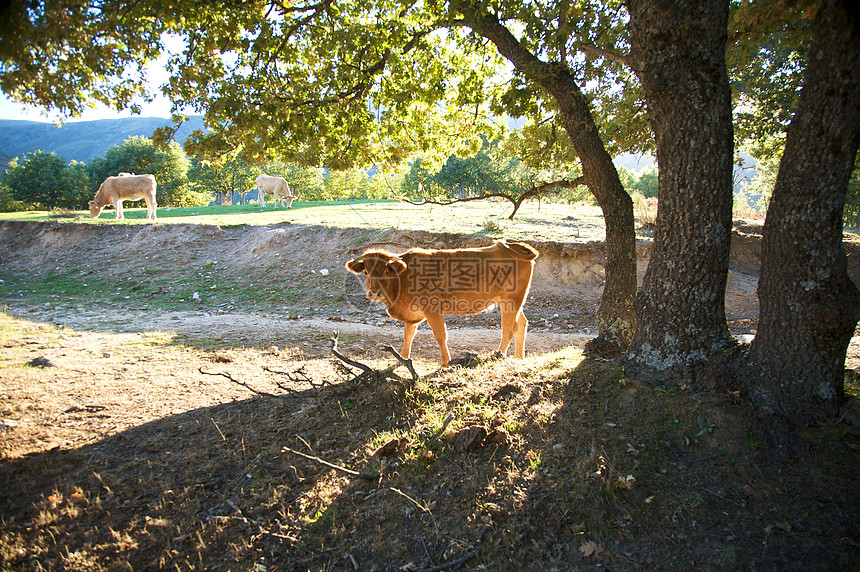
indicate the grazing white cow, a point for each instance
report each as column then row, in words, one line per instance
column 278, row 187
column 125, row 187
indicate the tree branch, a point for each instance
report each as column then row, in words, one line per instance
column 406, row 362
column 242, row 383
column 608, row 54
column 516, row 201
column 297, row 376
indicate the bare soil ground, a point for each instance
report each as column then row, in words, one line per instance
column 144, row 427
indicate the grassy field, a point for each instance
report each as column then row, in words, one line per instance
column 535, row 221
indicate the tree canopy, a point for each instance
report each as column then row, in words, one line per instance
column 325, row 83
column 344, row 84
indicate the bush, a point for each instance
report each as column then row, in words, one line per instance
column 741, row 207
column 645, row 209
column 8, row 204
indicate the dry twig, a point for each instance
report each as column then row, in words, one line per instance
column 463, row 559
column 406, row 362
column 291, row 393
column 350, row 472
column 297, row 376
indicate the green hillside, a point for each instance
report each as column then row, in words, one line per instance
column 82, row 140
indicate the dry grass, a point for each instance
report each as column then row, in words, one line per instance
column 137, row 460
column 645, row 211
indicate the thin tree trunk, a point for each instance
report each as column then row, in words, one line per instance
column 678, row 53
column 809, row 306
column 616, row 317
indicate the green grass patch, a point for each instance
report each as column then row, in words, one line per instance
column 54, row 288
column 534, row 221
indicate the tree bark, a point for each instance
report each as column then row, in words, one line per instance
column 616, row 317
column 678, row 53
column 809, row 305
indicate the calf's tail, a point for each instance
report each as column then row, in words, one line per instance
column 519, row 250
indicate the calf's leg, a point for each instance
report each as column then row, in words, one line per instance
column 514, row 325
column 118, row 208
column 150, row 208
column 408, row 335
column 440, row 332
column 521, row 330
column 509, row 326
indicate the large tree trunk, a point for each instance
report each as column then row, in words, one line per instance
column 677, row 51
column 809, row 306
column 616, row 317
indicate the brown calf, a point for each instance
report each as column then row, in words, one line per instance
column 425, row 284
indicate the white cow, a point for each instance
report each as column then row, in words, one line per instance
column 125, row 187
column 278, row 187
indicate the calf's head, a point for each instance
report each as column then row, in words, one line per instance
column 382, row 273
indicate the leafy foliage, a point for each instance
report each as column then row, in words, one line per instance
column 344, row 184
column 329, row 83
column 643, row 182
column 768, row 45
column 7, row 201
column 851, row 215
column 488, row 171
column 69, row 55
column 225, row 179
column 45, row 180
column 420, row 172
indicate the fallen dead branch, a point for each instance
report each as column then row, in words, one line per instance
column 463, row 559
column 297, row 376
column 350, row 472
column 369, row 374
column 291, row 393
column 406, row 362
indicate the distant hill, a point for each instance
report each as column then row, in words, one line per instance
column 634, row 163
column 82, row 140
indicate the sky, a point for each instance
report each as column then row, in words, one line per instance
column 12, row 110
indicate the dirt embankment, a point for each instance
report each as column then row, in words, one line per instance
column 304, row 267
column 252, row 278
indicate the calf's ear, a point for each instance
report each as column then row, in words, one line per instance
column 356, row 265
column 397, row 265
